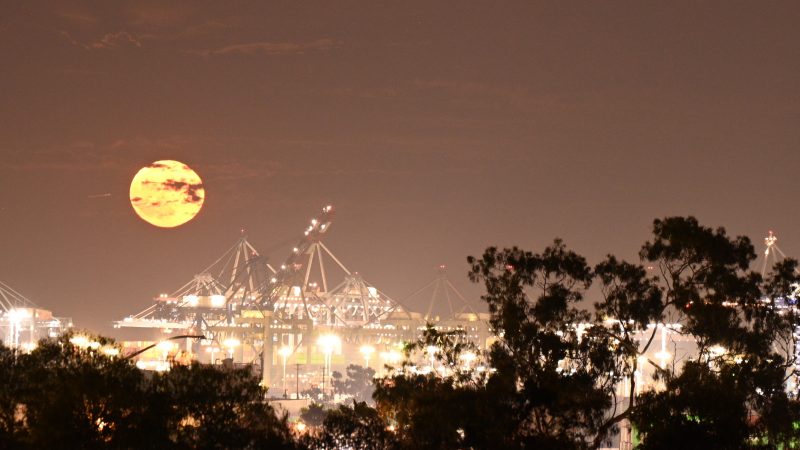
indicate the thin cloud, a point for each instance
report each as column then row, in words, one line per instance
column 270, row 48
column 193, row 191
column 115, row 40
column 109, row 41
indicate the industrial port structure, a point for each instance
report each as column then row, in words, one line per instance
column 252, row 312
column 23, row 323
column 310, row 311
column 271, row 317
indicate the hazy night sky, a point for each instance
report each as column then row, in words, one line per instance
column 435, row 128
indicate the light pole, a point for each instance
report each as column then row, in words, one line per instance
column 231, row 343
column 327, row 343
column 213, row 350
column 367, row 351
column 16, row 317
column 663, row 355
column 284, row 352
column 297, row 381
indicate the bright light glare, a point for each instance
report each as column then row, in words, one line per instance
column 28, row 347
column 663, row 355
column 328, row 342
column 79, row 341
column 717, row 350
column 18, row 314
column 392, row 356
column 165, row 346
column 468, row 357
column 217, row 301
column 231, row 342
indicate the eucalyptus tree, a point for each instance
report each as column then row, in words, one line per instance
column 560, row 365
column 555, row 381
column 733, row 392
column 77, row 391
column 357, row 427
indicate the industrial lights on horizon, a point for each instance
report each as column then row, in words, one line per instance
column 28, row 347
column 165, row 346
column 663, row 356
column 18, row 314
column 717, row 350
column 217, row 301
column 192, row 300
column 83, row 342
column 468, row 358
column 392, row 356
column 110, row 351
column 231, row 342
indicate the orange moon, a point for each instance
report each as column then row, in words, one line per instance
column 167, row 193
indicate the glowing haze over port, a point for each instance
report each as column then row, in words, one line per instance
column 436, row 129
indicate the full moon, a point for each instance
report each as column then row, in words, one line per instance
column 167, row 193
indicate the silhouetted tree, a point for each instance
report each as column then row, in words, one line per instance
column 12, row 378
column 356, row 427
column 733, row 393
column 446, row 406
column 556, row 382
column 359, row 382
column 314, row 393
column 313, row 415
column 213, row 407
column 631, row 302
column 78, row 396
column 557, row 365
column 78, row 393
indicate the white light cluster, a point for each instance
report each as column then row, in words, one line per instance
column 217, row 301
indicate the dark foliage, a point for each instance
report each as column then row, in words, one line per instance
column 357, row 427
column 555, row 382
column 314, row 415
column 65, row 396
column 358, row 384
column 733, row 394
column 559, row 378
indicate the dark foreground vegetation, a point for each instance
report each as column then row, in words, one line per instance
column 546, row 383
column 62, row 396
